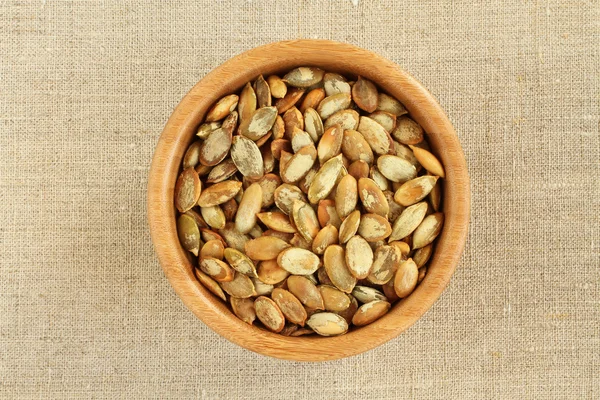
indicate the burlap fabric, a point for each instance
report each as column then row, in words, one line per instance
column 85, row 90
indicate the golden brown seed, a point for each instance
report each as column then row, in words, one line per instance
column 197, row 218
column 230, row 123
column 407, row 131
column 349, row 226
column 359, row 257
column 255, row 232
column 299, row 164
column 277, row 86
column 359, row 169
column 286, row 237
column 263, row 92
column 270, row 273
column 346, row 196
column 215, row 148
column 277, row 221
column 290, row 99
column 306, row 291
column 290, row 306
column 210, row 284
column 387, row 120
column 250, row 205
column 214, row 216
column 304, row 183
column 408, row 221
column 374, row 227
column 269, row 314
column 364, row 94
column 298, row 261
column 222, row 108
column 305, row 219
column 292, row 118
column 232, row 237
column 370, row 312
column 334, row 261
column 278, row 129
column 261, row 288
column 402, row 246
column 213, row 249
column 224, row 170
column 395, row 208
column 355, row 147
column 189, row 234
column 327, row 214
column 302, row 332
column 284, row 158
column 269, row 183
column 240, row 262
column 415, row 190
column 372, row 197
column 187, row 190
column 208, row 235
column 202, row 170
column 247, row 157
column 327, row 324
column 335, row 83
column 264, row 140
column 259, row 124
column 377, row 137
column 330, row 143
column 325, row 179
column 406, row 278
column 428, row 230
column 206, row 129
column 379, row 179
column 333, row 299
column 192, row 155
column 422, row 255
column 428, row 161
column 216, row 269
column 312, row 99
column 300, row 139
column 386, row 262
column 286, row 194
column 332, row 104
column 313, row 124
column 349, row 312
column 366, row 294
column 391, row 105
column 243, row 309
column 435, row 196
column 395, row 168
column 298, row 241
column 219, row 193
column 247, row 102
column 278, row 145
column 265, row 248
column 326, row 236
column 348, row 119
column 304, row 77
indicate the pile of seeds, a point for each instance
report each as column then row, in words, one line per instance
column 311, row 203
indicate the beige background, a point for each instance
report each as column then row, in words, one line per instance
column 87, row 86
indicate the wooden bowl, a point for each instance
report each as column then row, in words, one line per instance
column 278, row 58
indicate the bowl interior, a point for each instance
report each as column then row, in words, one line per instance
column 276, row 58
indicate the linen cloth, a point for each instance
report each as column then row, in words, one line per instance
column 85, row 90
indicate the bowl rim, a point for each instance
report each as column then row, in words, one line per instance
column 230, row 77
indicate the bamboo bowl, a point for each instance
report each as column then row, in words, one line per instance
column 277, row 58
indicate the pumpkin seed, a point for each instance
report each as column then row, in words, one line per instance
column 346, row 196
column 359, row 257
column 422, row 255
column 385, row 263
column 259, row 124
column 240, row 262
column 265, row 247
column 312, row 99
column 326, row 236
column 313, row 124
column 224, row 170
column 207, row 128
column 292, row 118
column 215, row 148
column 263, row 92
column 247, row 102
column 334, row 261
column 327, row 214
column 212, row 248
column 428, row 230
column 366, row 294
column 304, row 183
column 333, row 299
column 189, row 234
column 286, row 194
column 261, row 288
column 325, row 179
column 305, row 219
column 335, row 83
column 247, row 157
column 349, row 226
column 359, row 169
column 428, row 161
column 349, row 312
column 422, row 273
column 415, row 190
column 290, row 306
column 298, row 261
column 277, row 221
column 192, row 155
column 214, row 216
column 327, row 324
column 332, row 104
column 187, row 190
column 243, row 309
column 197, row 218
column 406, row 278
column 208, row 235
column 210, row 284
column 222, row 108
column 290, row 99
column 306, row 291
column 300, row 139
column 232, row 237
column 218, row 193
column 299, row 164
column 372, row 197
column 374, row 227
column 330, row 143
column 396, row 169
column 269, row 314
column 270, row 273
column 385, row 119
column 216, row 269
column 364, row 94
column 375, row 135
column 402, row 246
column 278, row 129
column 298, row 241
column 250, row 205
column 277, row 86
column 435, row 196
column 407, row 131
column 395, row 208
column 391, row 105
column 304, row 77
column 355, row 147
column 408, row 221
column 390, row 293
column 347, row 119
column 370, row 312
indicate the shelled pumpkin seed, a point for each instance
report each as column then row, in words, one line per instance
column 309, row 202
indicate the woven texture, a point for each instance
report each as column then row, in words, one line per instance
column 85, row 90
